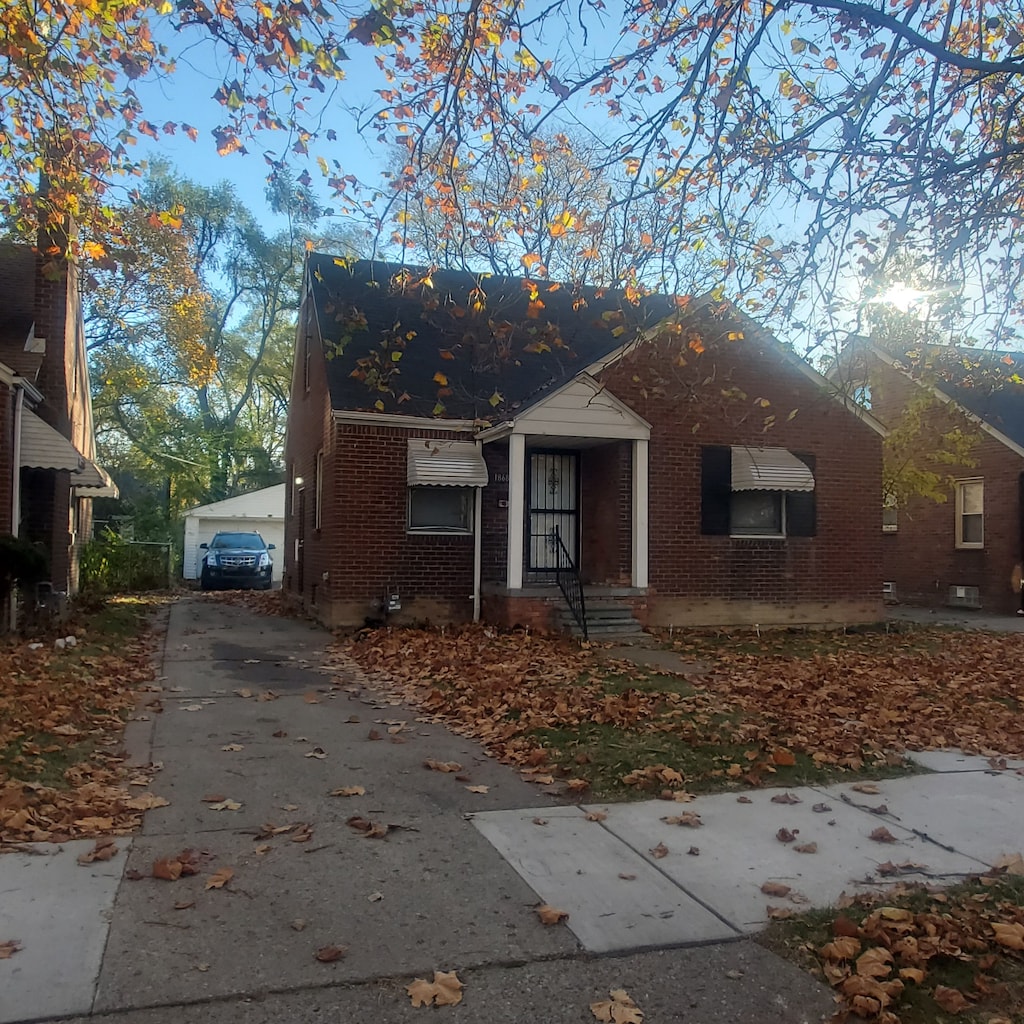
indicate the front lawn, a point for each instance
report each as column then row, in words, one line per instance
column 782, row 709
column 62, row 712
column 918, row 957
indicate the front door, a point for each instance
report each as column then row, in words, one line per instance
column 553, row 501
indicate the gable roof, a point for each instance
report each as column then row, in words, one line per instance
column 266, row 503
column 460, row 345
column 478, row 347
column 987, row 385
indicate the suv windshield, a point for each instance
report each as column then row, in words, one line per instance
column 238, row 540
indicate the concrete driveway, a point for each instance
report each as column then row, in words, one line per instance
column 256, row 730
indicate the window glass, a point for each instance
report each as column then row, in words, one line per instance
column 970, row 513
column 237, row 540
column 973, row 532
column 973, row 498
column 756, row 512
column 444, row 509
column 862, row 395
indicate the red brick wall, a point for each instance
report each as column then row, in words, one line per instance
column 722, row 397
column 363, row 548
column 309, row 429
column 494, row 541
column 370, row 550
column 54, row 312
column 921, row 557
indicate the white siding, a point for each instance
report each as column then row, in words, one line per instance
column 582, row 408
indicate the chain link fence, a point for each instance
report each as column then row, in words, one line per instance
column 112, row 565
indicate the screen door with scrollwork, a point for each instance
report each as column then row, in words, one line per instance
column 553, row 505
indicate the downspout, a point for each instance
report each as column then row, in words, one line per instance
column 19, row 401
column 478, row 506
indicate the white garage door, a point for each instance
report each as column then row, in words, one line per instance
column 201, row 531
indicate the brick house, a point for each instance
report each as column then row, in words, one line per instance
column 456, row 442
column 960, row 551
column 48, row 473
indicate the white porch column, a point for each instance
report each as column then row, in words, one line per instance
column 641, row 520
column 516, row 509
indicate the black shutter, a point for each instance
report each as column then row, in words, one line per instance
column 715, row 488
column 802, row 506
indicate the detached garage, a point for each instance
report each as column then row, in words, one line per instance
column 261, row 512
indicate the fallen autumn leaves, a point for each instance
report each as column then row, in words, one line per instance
column 845, row 710
column 61, row 713
column 912, row 955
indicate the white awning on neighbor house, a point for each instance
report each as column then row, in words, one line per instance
column 94, row 482
column 769, row 469
column 42, row 447
column 446, row 464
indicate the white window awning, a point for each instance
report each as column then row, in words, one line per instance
column 42, row 447
column 94, row 482
column 446, row 464
column 769, row 469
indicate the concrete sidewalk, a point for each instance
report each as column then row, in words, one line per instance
column 252, row 739
column 250, row 719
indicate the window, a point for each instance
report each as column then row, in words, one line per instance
column 890, row 515
column 441, row 509
column 319, row 484
column 757, row 513
column 861, row 392
column 970, row 513
column 767, row 492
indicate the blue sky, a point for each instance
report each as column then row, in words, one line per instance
column 188, row 96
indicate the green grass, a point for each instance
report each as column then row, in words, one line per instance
column 804, row 642
column 798, row 938
column 48, row 767
column 645, row 681
column 603, row 754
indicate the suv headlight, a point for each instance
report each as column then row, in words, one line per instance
column 264, row 560
column 211, row 559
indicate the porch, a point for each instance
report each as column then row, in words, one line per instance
column 567, row 529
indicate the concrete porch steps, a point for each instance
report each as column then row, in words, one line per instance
column 605, row 617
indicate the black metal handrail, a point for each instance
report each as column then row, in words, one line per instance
column 569, row 582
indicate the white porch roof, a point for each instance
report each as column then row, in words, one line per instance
column 582, row 412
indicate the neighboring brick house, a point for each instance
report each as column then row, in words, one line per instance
column 443, row 425
column 48, row 474
column 961, row 551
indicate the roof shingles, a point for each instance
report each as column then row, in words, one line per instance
column 460, row 345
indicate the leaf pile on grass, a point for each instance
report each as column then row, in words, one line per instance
column 60, row 713
column 911, row 956
column 965, row 690
column 502, row 688
column 843, row 711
